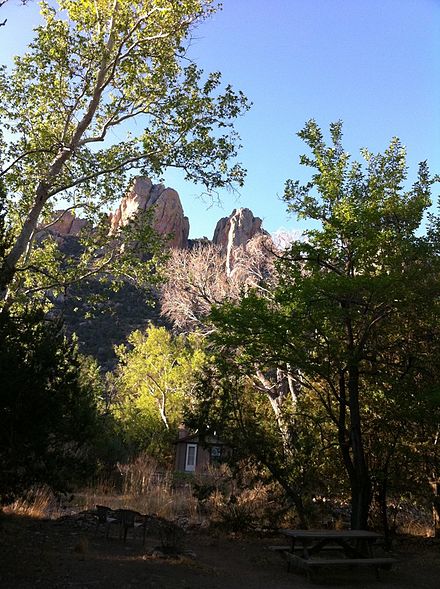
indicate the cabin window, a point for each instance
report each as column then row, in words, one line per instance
column 191, row 457
column 216, row 454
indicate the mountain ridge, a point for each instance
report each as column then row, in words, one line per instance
column 128, row 309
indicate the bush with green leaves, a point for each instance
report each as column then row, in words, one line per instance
column 48, row 419
column 156, row 373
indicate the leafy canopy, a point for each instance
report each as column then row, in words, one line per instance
column 94, row 66
column 355, row 309
column 156, row 375
column 105, row 88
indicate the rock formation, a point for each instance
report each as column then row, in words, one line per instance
column 236, row 230
column 66, row 223
column 168, row 216
column 129, row 312
column 168, row 219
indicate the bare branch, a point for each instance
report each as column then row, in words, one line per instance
column 63, row 212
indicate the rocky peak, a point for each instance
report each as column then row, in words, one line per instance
column 65, row 223
column 169, row 219
column 235, row 231
column 168, row 212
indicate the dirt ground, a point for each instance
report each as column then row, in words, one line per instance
column 66, row 554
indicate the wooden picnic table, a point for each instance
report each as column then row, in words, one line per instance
column 310, row 549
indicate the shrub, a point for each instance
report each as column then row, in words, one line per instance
column 47, row 418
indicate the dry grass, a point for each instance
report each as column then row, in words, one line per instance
column 241, row 509
column 209, row 497
column 144, row 489
column 411, row 518
column 212, row 497
column 161, row 500
column 38, row 503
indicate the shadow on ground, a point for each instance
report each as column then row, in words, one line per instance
column 70, row 553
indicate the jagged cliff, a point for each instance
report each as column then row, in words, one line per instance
column 168, row 218
column 127, row 309
column 66, row 223
column 235, row 231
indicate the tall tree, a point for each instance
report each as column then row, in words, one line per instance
column 97, row 70
column 356, row 301
column 156, row 373
column 48, row 417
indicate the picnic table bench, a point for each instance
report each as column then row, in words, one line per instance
column 356, row 547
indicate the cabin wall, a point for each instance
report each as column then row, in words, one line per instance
column 203, row 457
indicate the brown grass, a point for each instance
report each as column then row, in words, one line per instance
column 145, row 489
column 39, row 503
column 212, row 497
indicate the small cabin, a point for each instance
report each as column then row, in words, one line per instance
column 194, row 454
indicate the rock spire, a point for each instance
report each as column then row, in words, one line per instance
column 168, row 219
column 235, row 231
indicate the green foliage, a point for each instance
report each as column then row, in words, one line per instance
column 93, row 258
column 284, row 445
column 95, row 71
column 5, row 230
column 109, row 446
column 156, row 373
column 355, row 312
column 48, row 414
column 48, row 419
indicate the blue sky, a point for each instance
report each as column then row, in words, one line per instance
column 375, row 64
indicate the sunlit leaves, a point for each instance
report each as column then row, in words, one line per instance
column 355, row 308
column 156, row 374
column 104, row 89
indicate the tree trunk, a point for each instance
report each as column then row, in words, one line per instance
column 361, row 489
column 382, row 500
column 9, row 268
column 301, row 511
column 352, row 450
column 360, row 504
column 276, row 392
